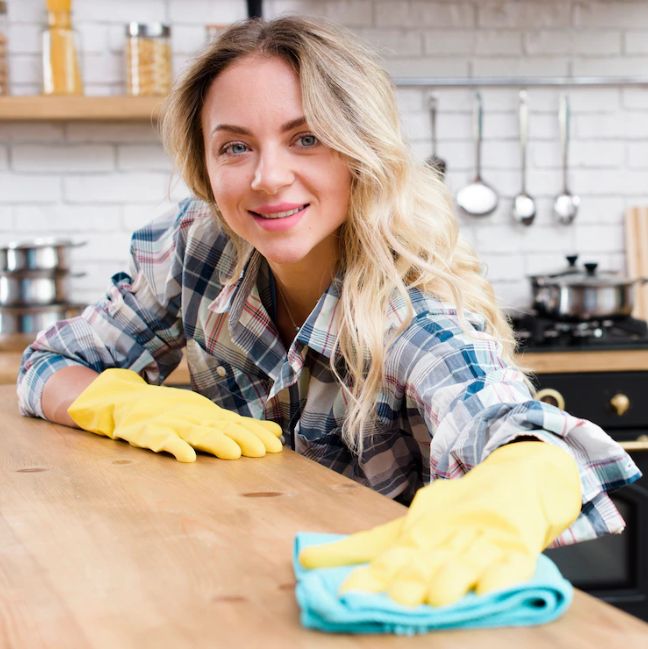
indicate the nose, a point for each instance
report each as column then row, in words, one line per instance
column 273, row 171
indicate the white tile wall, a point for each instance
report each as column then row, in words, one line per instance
column 99, row 181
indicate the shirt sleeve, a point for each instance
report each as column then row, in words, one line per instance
column 472, row 403
column 137, row 325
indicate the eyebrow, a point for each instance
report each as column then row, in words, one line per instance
column 288, row 126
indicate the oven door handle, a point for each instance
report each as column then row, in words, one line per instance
column 639, row 444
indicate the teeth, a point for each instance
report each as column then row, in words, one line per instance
column 281, row 215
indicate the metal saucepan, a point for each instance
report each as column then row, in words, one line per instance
column 37, row 254
column 576, row 293
column 32, row 319
column 34, row 287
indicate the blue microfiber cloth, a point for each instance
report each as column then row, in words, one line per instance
column 542, row 599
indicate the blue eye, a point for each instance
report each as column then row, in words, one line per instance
column 234, row 148
column 308, row 140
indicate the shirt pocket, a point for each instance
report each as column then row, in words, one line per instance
column 226, row 384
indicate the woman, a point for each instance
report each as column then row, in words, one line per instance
column 323, row 294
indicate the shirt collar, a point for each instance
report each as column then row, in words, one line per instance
column 241, row 300
column 320, row 330
column 225, row 299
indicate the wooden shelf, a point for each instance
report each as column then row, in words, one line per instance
column 111, row 108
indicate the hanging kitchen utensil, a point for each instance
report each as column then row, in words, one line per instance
column 566, row 204
column 524, row 207
column 434, row 160
column 477, row 198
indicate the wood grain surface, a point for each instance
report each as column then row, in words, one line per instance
column 113, row 108
column 636, row 242
column 103, row 545
column 618, row 360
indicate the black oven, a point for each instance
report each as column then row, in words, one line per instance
column 614, row 567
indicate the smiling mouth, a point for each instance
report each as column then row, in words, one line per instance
column 280, row 215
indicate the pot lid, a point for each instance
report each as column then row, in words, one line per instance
column 42, row 242
column 586, row 276
column 570, row 269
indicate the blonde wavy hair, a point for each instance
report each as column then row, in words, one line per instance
column 401, row 230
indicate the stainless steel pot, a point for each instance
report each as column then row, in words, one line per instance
column 576, row 293
column 32, row 319
column 37, row 254
column 34, row 287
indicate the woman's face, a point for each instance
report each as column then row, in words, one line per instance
column 276, row 185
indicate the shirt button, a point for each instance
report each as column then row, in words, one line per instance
column 221, row 371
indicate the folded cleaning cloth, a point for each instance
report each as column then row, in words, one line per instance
column 542, row 599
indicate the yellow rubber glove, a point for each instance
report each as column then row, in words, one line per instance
column 483, row 531
column 119, row 403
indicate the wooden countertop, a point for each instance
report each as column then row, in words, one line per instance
column 106, row 545
column 630, row 360
column 622, row 360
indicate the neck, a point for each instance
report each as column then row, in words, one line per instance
column 300, row 288
column 299, row 297
column 301, row 283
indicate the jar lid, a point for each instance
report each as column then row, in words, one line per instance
column 148, row 30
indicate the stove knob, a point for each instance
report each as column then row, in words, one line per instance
column 550, row 396
column 620, row 403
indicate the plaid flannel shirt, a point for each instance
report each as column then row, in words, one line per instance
column 448, row 398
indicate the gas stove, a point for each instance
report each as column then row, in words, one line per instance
column 539, row 333
column 613, row 567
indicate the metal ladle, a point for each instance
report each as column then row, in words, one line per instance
column 477, row 198
column 434, row 160
column 566, row 204
column 524, row 207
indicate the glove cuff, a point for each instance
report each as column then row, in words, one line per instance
column 555, row 476
column 93, row 409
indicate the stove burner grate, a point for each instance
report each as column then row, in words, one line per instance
column 535, row 332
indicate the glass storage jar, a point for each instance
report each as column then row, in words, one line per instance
column 61, row 70
column 148, row 59
column 4, row 66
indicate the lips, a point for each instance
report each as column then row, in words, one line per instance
column 281, row 211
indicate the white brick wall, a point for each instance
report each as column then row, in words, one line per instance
column 99, row 181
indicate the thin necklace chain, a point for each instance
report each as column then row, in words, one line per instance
column 283, row 299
